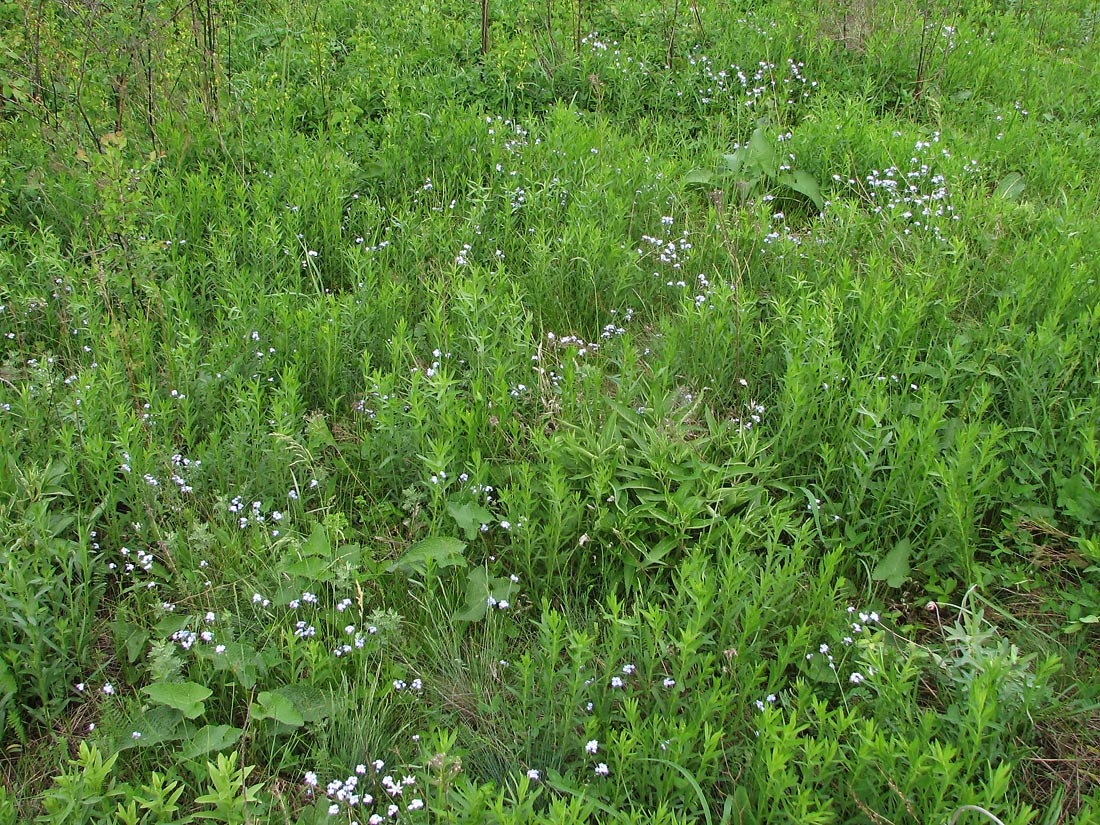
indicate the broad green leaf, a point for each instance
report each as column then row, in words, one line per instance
column 479, row 589
column 1078, row 498
column 186, row 697
column 209, row 739
column 1011, row 187
column 317, row 544
column 349, row 554
column 469, row 517
column 477, row 597
column 313, row 704
column 894, row 567
column 242, row 660
column 312, row 568
column 156, row 725
column 437, row 551
column 8, row 685
column 699, row 177
column 759, row 155
column 803, row 182
column 272, row 705
column 733, row 162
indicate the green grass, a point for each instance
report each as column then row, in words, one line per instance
column 680, row 414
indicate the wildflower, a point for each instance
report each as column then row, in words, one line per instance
column 333, row 809
column 856, row 678
column 109, row 689
column 533, row 775
column 669, row 682
column 592, row 746
column 616, row 682
column 415, row 805
column 601, row 769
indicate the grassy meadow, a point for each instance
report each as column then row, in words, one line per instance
column 627, row 412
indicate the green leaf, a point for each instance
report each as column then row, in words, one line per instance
column 803, row 182
column 469, row 517
column 479, row 589
column 209, row 739
column 273, row 705
column 155, row 726
column 477, row 597
column 760, row 155
column 186, row 697
column 313, row 704
column 734, row 162
column 699, row 177
column 350, row 554
column 894, row 567
column 312, row 568
column 317, row 544
column 1078, row 499
column 437, row 551
column 242, row 660
column 1011, row 187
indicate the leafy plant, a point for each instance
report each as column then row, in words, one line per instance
column 757, row 169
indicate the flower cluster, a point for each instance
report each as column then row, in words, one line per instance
column 369, row 793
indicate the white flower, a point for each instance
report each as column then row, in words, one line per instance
column 534, row 775
column 601, row 769
column 333, row 809
column 592, row 746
